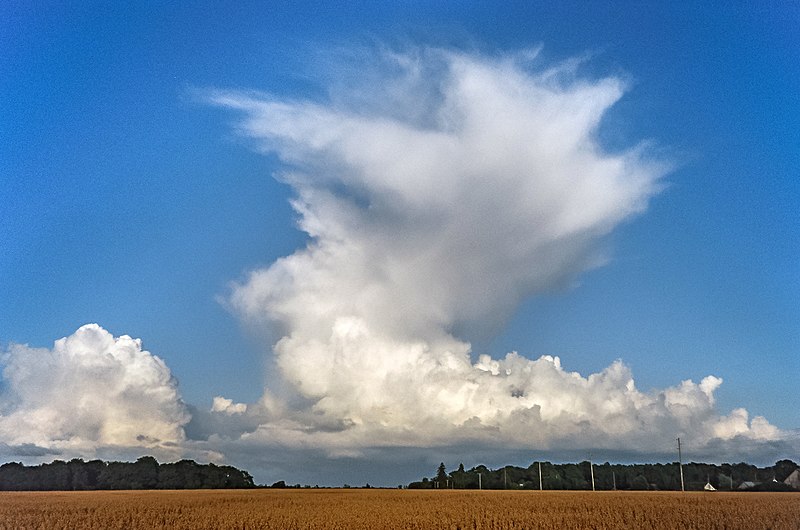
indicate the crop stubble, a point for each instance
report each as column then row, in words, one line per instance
column 396, row 509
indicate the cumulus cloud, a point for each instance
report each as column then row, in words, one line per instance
column 90, row 393
column 227, row 406
column 436, row 199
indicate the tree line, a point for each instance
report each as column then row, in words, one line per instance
column 614, row 476
column 145, row 473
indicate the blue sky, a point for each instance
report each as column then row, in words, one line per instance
column 129, row 199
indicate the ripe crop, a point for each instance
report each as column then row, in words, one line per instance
column 323, row 509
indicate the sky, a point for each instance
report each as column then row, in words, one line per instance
column 341, row 243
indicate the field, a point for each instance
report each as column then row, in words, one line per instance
column 400, row 509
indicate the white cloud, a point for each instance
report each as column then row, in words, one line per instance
column 437, row 198
column 227, row 406
column 90, row 392
column 437, row 195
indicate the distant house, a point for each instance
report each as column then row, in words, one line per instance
column 747, row 485
column 794, row 479
column 709, row 487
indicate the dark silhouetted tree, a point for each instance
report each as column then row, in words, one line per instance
column 145, row 473
column 441, row 476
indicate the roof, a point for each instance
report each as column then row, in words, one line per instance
column 793, row 479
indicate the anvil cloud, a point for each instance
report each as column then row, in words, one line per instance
column 436, row 199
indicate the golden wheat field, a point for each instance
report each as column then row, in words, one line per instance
column 390, row 509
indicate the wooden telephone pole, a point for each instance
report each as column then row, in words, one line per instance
column 540, row 476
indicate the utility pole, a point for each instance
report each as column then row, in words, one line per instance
column 480, row 483
column 540, row 476
column 614, row 478
column 591, row 471
column 680, row 463
column 505, row 478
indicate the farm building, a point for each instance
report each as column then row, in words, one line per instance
column 794, row 479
